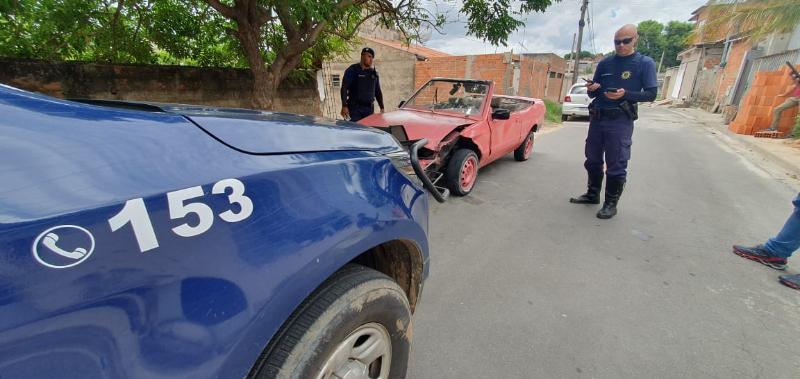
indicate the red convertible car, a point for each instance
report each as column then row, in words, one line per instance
column 467, row 127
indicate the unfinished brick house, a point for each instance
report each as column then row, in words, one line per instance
column 529, row 75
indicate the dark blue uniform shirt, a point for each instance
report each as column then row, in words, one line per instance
column 635, row 73
column 361, row 87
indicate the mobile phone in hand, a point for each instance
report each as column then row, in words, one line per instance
column 588, row 82
column 612, row 89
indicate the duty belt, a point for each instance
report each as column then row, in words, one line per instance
column 361, row 103
column 609, row 113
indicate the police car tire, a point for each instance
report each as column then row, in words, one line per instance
column 352, row 297
column 519, row 152
column 564, row 117
column 453, row 171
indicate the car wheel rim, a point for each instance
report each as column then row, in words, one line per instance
column 469, row 170
column 365, row 354
column 529, row 146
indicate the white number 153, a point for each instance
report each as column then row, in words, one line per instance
column 135, row 213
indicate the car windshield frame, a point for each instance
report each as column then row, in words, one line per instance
column 461, row 108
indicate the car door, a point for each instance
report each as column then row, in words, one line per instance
column 504, row 132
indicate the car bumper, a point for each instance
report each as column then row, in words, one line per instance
column 575, row 110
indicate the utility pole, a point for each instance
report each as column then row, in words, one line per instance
column 661, row 61
column 577, row 57
column 572, row 48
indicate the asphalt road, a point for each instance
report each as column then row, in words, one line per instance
column 525, row 285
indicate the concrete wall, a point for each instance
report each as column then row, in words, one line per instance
column 557, row 68
column 396, row 69
column 705, row 89
column 778, row 43
column 670, row 77
column 171, row 84
column 521, row 75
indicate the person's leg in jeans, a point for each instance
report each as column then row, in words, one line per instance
column 776, row 250
column 776, row 114
column 788, row 239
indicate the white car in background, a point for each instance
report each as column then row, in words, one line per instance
column 576, row 103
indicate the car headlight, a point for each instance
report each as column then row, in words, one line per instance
column 402, row 161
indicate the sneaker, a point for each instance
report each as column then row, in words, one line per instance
column 760, row 255
column 792, row 281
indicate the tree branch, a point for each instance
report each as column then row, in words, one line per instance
column 223, row 9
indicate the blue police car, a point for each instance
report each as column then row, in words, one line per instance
column 163, row 241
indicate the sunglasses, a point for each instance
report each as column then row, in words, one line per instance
column 623, row 41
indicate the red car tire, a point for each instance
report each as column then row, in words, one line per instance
column 523, row 152
column 462, row 172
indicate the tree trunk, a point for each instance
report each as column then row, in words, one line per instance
column 265, row 83
column 265, row 88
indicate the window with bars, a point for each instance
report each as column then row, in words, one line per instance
column 336, row 80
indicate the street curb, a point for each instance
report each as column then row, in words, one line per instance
column 744, row 140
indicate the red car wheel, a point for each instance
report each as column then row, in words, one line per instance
column 523, row 152
column 462, row 171
column 469, row 171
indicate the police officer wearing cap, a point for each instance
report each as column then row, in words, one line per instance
column 360, row 88
column 620, row 82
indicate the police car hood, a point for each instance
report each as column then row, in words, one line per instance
column 260, row 132
column 285, row 133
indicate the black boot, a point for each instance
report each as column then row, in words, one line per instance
column 614, row 188
column 592, row 195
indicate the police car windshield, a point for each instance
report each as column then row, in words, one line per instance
column 463, row 98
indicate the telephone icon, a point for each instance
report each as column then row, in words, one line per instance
column 50, row 240
column 54, row 247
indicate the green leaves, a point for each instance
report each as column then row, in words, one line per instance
column 656, row 39
column 583, row 54
column 298, row 33
column 495, row 20
column 754, row 18
column 109, row 30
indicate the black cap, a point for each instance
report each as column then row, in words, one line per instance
column 369, row 51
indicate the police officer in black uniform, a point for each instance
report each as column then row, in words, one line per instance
column 620, row 82
column 360, row 88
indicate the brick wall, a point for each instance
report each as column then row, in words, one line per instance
column 223, row 87
column 727, row 77
column 755, row 111
column 534, row 80
column 446, row 67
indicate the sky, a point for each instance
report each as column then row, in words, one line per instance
column 552, row 31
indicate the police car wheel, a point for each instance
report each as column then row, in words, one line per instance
column 523, row 152
column 356, row 325
column 462, row 172
column 564, row 117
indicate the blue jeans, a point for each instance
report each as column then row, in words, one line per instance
column 788, row 239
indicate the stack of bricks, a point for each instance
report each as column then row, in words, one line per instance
column 755, row 111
